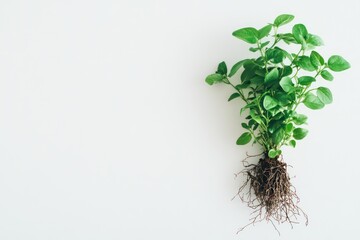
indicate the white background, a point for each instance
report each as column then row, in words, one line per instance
column 108, row 131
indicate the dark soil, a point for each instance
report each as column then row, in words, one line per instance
column 268, row 191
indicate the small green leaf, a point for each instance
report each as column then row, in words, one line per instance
column 278, row 136
column 263, row 32
column 264, row 44
column 234, row 95
column 286, row 84
column 257, row 80
column 272, row 153
column 236, row 67
column 272, row 75
column 314, row 40
column 327, row 75
column 222, row 69
column 283, row 98
column 287, row 38
column 276, row 55
column 244, row 125
column 283, row 19
column 313, row 102
column 316, row 59
column 269, row 102
column 214, row 78
column 306, row 80
column 252, row 49
column 289, row 127
column 292, row 143
column 325, row 95
column 305, row 63
column 242, row 86
column 300, row 133
column 299, row 119
column 287, row 70
column 245, row 138
column 249, row 34
column 300, row 33
column 338, row 63
column 256, row 117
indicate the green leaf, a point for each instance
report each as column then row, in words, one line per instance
column 299, row 119
column 272, row 153
column 269, row 102
column 245, row 138
column 289, row 127
column 338, row 63
column 327, row 75
column 236, row 67
column 214, row 78
column 256, row 117
column 292, row 143
column 287, row 38
column 263, row 32
column 222, row 69
column 242, row 86
column 287, row 70
column 278, row 136
column 325, row 95
column 249, row 71
column 257, row 80
column 252, row 49
column 276, row 55
column 244, row 125
column 264, row 44
column 300, row 133
column 313, row 102
column 283, row 19
column 306, row 80
column 261, row 72
column 316, row 59
column 234, row 95
column 300, row 33
column 314, row 40
column 286, row 84
column 305, row 63
column 283, row 98
column 272, row 75
column 249, row 34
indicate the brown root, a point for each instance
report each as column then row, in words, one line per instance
column 268, row 191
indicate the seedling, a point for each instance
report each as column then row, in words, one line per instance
column 273, row 85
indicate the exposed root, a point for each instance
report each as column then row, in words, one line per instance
column 268, row 191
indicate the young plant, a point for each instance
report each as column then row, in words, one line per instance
column 273, row 85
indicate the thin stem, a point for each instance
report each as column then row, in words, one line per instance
column 239, row 91
column 262, row 55
column 305, row 91
column 296, row 57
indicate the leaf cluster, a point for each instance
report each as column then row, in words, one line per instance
column 277, row 81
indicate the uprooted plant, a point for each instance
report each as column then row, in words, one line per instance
column 273, row 85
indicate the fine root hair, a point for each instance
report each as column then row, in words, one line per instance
column 268, row 191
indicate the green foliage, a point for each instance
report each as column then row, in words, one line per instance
column 300, row 133
column 338, row 63
column 325, row 95
column 313, row 102
column 245, row 138
column 300, row 33
column 249, row 35
column 276, row 82
column 283, row 19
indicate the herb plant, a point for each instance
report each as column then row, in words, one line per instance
column 273, row 85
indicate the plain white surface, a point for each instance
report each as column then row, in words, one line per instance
column 108, row 131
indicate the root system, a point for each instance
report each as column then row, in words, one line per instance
column 267, row 190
